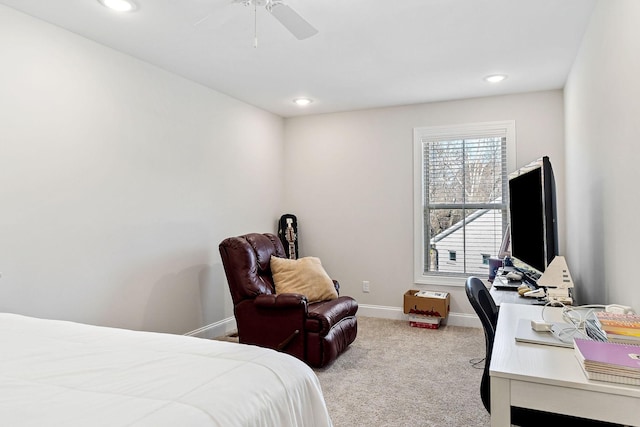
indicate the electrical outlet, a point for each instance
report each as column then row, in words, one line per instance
column 365, row 286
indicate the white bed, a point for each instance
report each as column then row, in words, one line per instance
column 56, row 373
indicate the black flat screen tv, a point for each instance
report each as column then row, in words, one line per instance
column 532, row 215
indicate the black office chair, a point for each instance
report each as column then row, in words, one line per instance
column 486, row 309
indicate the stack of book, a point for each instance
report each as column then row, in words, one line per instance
column 614, row 327
column 607, row 361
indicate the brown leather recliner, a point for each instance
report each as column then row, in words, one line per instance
column 313, row 332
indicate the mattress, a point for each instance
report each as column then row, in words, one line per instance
column 58, row 373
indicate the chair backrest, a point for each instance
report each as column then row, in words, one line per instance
column 483, row 304
column 247, row 264
column 486, row 309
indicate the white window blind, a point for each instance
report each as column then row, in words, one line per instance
column 464, row 200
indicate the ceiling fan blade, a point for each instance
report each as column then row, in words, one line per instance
column 293, row 22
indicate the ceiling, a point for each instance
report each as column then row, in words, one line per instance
column 367, row 54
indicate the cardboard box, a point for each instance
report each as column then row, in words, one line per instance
column 426, row 322
column 427, row 303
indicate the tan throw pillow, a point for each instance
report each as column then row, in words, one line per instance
column 302, row 276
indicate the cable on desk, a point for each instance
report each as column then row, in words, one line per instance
column 572, row 316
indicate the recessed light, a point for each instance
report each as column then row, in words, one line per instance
column 495, row 78
column 119, row 5
column 301, row 102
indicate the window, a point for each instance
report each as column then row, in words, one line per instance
column 460, row 198
column 485, row 259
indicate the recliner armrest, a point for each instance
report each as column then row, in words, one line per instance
column 280, row 301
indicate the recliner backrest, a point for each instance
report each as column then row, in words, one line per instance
column 247, row 263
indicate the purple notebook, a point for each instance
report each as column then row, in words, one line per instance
column 608, row 353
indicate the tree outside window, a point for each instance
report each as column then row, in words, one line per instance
column 463, row 189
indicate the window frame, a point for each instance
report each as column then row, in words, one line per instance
column 506, row 128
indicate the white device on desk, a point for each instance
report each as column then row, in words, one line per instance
column 514, row 275
column 620, row 309
column 557, row 280
column 559, row 334
column 507, row 278
column 535, row 293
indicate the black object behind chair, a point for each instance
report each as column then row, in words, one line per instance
column 486, row 309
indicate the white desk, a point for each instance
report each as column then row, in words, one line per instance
column 550, row 378
column 503, row 297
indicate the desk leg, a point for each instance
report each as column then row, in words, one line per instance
column 500, row 402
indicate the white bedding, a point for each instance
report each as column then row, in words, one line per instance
column 56, row 373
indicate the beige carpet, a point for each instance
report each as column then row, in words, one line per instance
column 397, row 375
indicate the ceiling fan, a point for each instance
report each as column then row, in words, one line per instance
column 288, row 17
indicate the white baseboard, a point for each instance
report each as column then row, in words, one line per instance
column 228, row 325
column 396, row 313
column 216, row 329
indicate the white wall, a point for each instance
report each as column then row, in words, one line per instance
column 602, row 99
column 349, row 179
column 117, row 182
